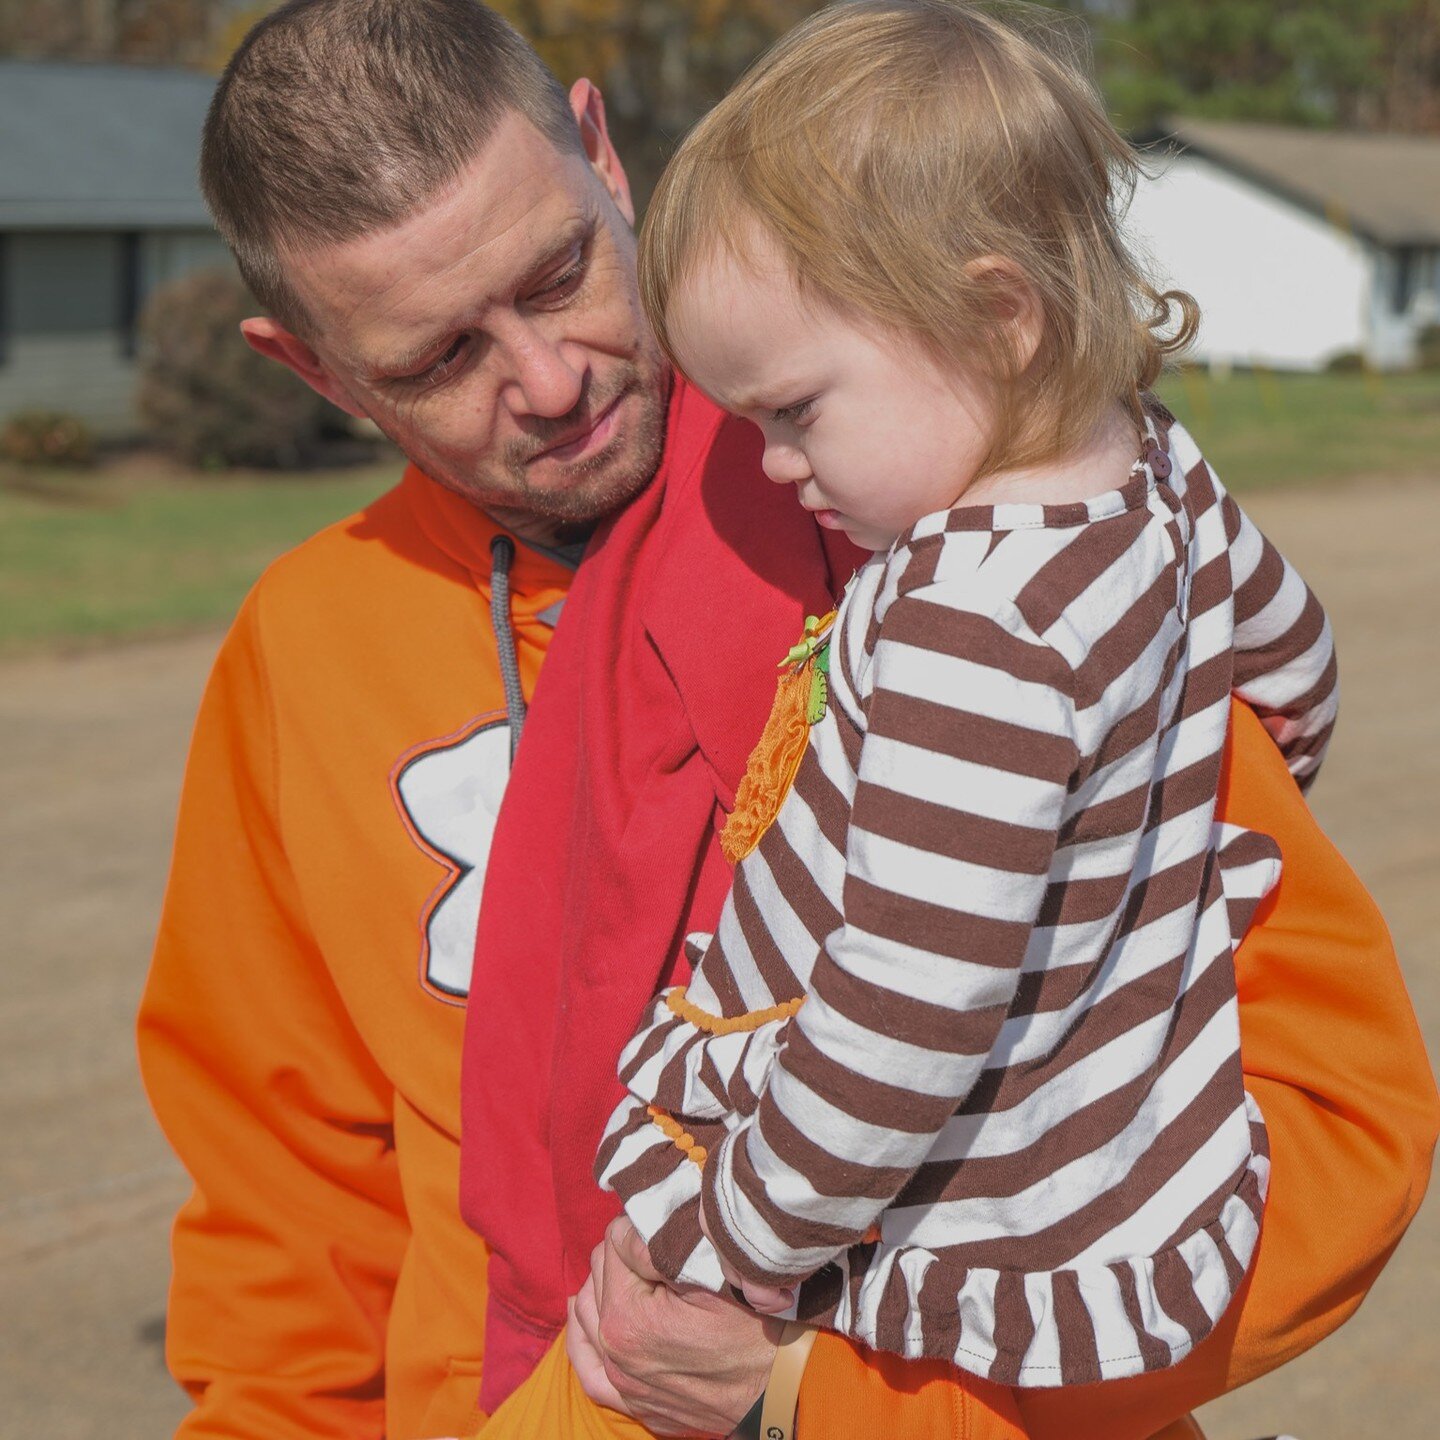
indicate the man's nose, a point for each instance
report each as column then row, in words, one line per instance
column 785, row 464
column 547, row 377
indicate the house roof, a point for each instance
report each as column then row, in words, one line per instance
column 1384, row 186
column 100, row 146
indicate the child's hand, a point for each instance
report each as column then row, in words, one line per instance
column 763, row 1299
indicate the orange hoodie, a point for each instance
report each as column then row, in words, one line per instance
column 300, row 1035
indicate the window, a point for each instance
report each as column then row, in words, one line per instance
column 130, row 287
column 4, row 296
column 63, row 283
column 1407, row 272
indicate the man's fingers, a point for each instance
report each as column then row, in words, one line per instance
column 621, row 1292
column 597, row 1270
column 584, row 1311
column 632, row 1251
column 585, row 1359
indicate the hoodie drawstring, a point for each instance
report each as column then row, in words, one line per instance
column 502, row 556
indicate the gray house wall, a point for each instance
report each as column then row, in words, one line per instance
column 99, row 204
column 68, row 305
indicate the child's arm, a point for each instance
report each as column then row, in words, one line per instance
column 686, row 1056
column 1284, row 651
column 963, row 777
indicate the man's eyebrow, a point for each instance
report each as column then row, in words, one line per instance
column 576, row 232
column 400, row 366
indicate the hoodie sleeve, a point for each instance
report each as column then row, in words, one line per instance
column 286, row 1255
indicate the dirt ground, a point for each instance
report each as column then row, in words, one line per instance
column 91, row 749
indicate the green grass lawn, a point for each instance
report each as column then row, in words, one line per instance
column 89, row 557
column 1258, row 428
column 129, row 551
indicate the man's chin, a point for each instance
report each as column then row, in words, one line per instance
column 551, row 491
column 587, row 491
column 575, row 497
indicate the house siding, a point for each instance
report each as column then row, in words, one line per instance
column 80, row 374
column 1277, row 285
column 67, row 304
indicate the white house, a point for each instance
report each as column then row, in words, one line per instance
column 1300, row 245
column 99, row 203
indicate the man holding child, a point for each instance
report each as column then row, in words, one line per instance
column 441, row 240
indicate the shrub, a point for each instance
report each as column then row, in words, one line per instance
column 1347, row 362
column 46, row 437
column 206, row 395
column 1427, row 348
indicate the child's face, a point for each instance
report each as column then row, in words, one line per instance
column 871, row 431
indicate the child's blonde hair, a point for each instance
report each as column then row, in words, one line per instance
column 886, row 145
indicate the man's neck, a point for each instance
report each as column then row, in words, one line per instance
column 557, row 537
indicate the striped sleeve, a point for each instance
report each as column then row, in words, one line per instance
column 1285, row 666
column 969, row 749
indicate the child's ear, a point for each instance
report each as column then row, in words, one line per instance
column 1015, row 304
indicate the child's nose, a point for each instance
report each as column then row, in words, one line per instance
column 785, row 464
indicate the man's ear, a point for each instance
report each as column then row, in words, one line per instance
column 589, row 107
column 272, row 340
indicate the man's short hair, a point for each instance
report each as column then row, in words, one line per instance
column 337, row 118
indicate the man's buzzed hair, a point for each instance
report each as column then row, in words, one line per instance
column 336, row 118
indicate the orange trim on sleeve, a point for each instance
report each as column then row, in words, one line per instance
column 679, row 1005
column 678, row 1135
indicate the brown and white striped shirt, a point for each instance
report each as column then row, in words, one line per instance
column 1008, row 1125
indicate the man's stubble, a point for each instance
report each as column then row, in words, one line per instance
column 599, row 485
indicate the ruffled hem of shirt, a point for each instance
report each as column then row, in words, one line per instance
column 1072, row 1326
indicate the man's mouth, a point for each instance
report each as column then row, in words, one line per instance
column 580, row 443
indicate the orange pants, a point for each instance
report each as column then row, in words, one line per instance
column 551, row 1404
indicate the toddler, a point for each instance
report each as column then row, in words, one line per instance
column 958, row 1074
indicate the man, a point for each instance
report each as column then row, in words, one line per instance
column 440, row 240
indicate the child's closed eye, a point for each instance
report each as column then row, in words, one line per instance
column 795, row 414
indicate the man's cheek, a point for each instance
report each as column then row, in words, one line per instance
column 453, row 422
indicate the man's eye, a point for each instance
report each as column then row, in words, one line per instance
column 796, row 413
column 448, row 362
column 563, row 285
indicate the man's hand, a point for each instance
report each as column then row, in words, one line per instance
column 680, row 1363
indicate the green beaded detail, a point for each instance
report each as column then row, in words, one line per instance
column 813, row 650
column 819, row 694
column 819, row 686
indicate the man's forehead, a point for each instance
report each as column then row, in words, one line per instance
column 480, row 235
